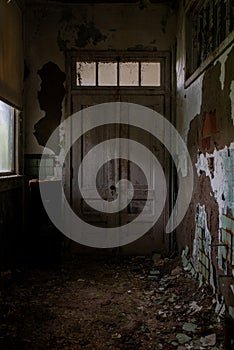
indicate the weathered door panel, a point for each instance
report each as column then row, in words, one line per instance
column 107, row 174
column 114, row 170
column 155, row 238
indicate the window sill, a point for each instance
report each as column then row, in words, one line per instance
column 10, row 182
column 212, row 57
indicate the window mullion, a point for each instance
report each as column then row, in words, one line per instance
column 139, row 72
column 97, row 83
column 117, row 72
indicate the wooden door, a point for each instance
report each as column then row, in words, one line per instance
column 114, row 170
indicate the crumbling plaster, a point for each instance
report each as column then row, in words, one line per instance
column 205, row 121
column 202, row 257
column 40, row 48
column 50, row 31
column 221, row 176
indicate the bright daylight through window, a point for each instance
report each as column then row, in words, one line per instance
column 6, row 138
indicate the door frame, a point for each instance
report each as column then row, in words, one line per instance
column 165, row 89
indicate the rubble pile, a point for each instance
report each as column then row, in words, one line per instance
column 111, row 302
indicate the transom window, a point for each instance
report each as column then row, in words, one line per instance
column 130, row 73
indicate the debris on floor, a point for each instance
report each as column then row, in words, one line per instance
column 108, row 303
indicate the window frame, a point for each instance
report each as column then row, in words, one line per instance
column 15, row 147
column 192, row 70
column 120, row 56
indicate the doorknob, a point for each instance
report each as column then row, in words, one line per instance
column 113, row 188
column 113, row 191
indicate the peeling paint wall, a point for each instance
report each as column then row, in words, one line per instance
column 205, row 121
column 221, row 176
column 50, row 98
column 40, row 48
column 201, row 246
column 51, row 31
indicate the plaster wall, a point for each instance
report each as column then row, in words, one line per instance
column 51, row 31
column 205, row 121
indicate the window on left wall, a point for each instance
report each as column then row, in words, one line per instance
column 7, row 139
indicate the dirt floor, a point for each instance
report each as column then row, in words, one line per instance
column 107, row 303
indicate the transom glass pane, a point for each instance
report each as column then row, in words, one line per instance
column 150, row 74
column 129, row 73
column 107, row 73
column 85, row 73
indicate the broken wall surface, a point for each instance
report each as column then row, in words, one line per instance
column 53, row 30
column 205, row 120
